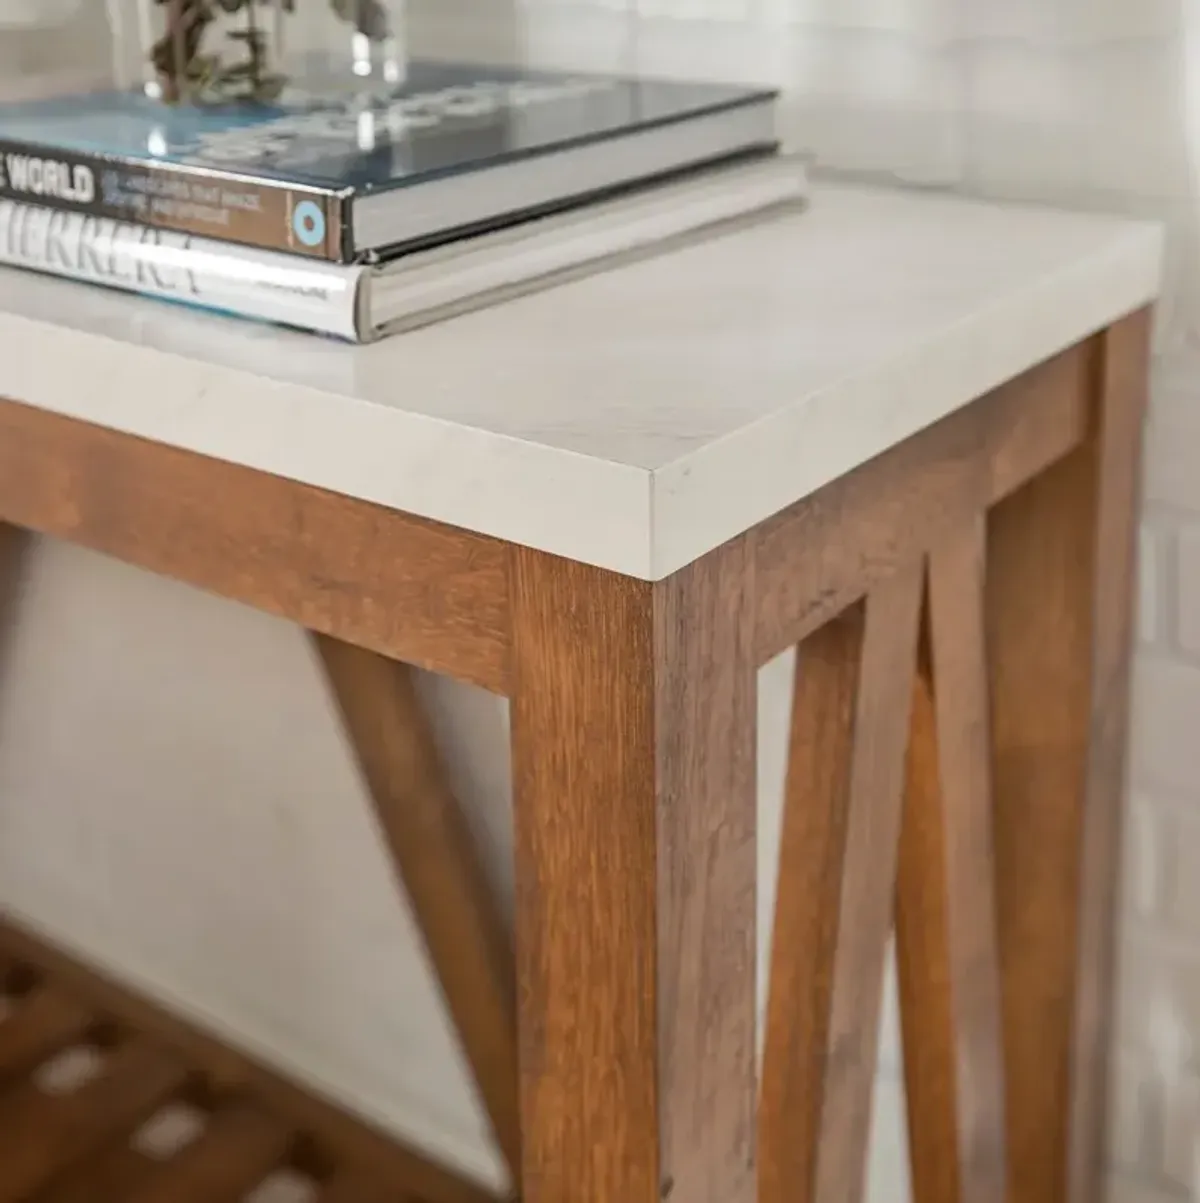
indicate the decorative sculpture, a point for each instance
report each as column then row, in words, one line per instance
column 190, row 67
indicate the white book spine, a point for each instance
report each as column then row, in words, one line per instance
column 264, row 285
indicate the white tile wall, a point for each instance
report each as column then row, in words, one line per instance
column 1181, row 1126
column 1189, row 590
column 1167, row 699
column 1130, row 1110
column 1179, row 832
column 1148, row 842
column 1158, row 1068
column 1171, row 475
column 1149, row 598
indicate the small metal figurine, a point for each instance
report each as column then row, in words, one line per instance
column 188, row 69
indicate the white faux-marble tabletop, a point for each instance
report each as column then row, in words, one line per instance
column 632, row 420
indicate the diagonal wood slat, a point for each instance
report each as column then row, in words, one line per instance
column 355, row 1188
column 820, row 554
column 868, row 884
column 44, row 1021
column 437, row 864
column 847, row 861
column 238, row 1149
column 805, row 933
column 946, row 930
column 114, row 1174
column 40, row 1135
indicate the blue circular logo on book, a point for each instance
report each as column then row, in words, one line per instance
column 308, row 223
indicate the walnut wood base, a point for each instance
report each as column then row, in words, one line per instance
column 961, row 608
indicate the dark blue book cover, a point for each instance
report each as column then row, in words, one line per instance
column 286, row 175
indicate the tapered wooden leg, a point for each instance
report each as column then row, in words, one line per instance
column 836, row 885
column 634, row 767
column 436, row 862
column 945, row 914
column 1117, row 447
column 1060, row 586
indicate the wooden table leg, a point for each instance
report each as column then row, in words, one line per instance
column 634, row 768
column 1060, row 586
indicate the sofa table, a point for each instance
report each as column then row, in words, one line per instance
column 898, row 431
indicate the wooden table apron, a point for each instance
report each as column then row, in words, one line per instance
column 962, row 608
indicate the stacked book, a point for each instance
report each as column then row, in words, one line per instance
column 356, row 220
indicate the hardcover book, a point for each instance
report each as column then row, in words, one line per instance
column 456, row 149
column 361, row 302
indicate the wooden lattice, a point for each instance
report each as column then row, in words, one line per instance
column 106, row 1098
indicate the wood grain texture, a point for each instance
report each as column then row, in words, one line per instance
column 823, row 553
column 1039, row 598
column 586, row 932
column 865, row 903
column 833, row 916
column 416, row 590
column 804, row 939
column 240, row 1146
column 336, row 1139
column 436, row 862
column 1060, row 576
column 1123, row 388
column 947, row 953
column 705, row 719
column 40, row 1134
column 634, row 769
